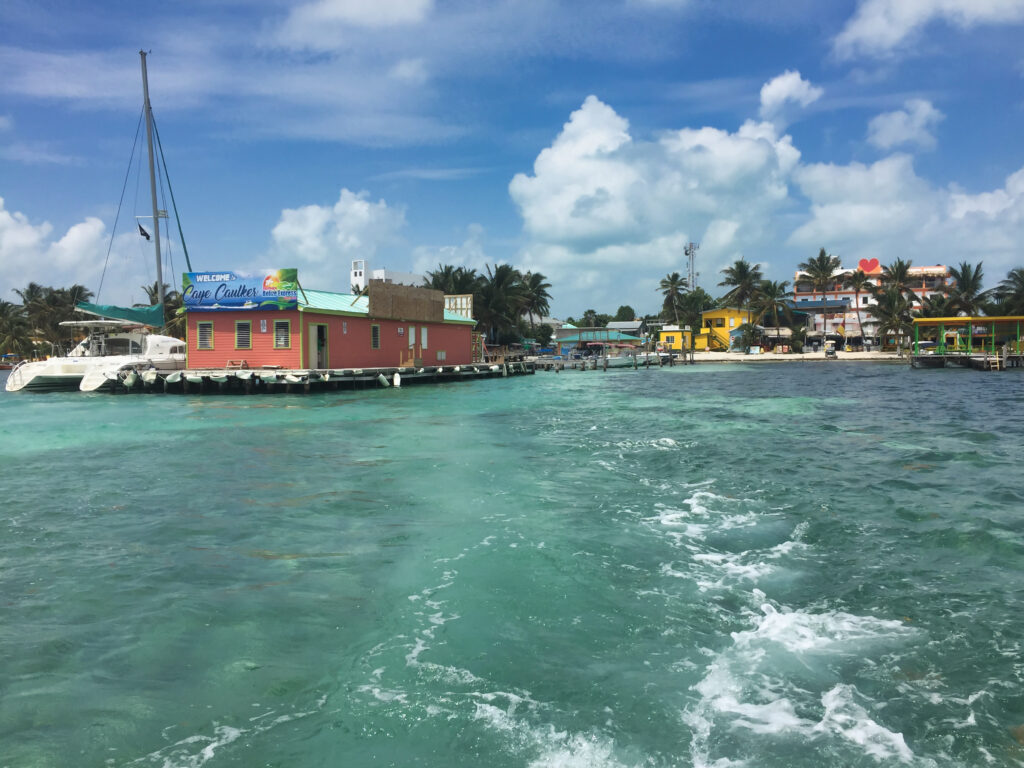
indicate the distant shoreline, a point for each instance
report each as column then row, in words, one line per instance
column 806, row 357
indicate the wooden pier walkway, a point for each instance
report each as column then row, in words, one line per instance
column 978, row 362
column 277, row 380
column 595, row 364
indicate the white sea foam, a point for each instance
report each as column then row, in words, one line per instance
column 745, row 686
column 703, row 509
column 449, row 674
column 198, row 749
column 552, row 748
column 802, row 632
column 577, row 751
column 844, row 716
column 386, row 696
column 731, row 566
column 658, row 444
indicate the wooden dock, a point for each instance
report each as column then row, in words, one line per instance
column 280, row 381
column 601, row 364
column 977, row 362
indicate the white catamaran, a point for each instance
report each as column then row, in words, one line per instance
column 113, row 350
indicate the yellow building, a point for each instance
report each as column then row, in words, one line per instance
column 673, row 338
column 716, row 325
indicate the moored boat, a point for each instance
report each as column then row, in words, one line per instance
column 109, row 346
column 118, row 345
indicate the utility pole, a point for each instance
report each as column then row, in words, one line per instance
column 691, row 255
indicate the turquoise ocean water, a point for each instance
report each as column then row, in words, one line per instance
column 774, row 565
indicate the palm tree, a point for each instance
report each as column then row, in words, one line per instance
column 693, row 305
column 535, row 295
column 77, row 293
column 173, row 322
column 859, row 282
column 440, row 279
column 821, row 272
column 967, row 295
column 892, row 310
column 45, row 308
column 1010, row 292
column 499, row 300
column 14, row 331
column 898, row 274
column 937, row 305
column 153, row 292
column 31, row 293
column 773, row 297
column 798, row 338
column 33, row 302
column 452, row 280
column 673, row 287
column 744, row 278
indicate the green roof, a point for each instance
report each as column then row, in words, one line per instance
column 349, row 303
column 353, row 304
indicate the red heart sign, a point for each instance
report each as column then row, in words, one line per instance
column 868, row 265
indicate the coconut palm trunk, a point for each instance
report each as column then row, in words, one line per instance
column 856, row 308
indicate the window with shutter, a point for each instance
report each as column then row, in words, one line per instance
column 243, row 335
column 282, row 334
column 374, row 337
column 204, row 335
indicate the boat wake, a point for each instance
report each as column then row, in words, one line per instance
column 198, row 749
column 784, row 678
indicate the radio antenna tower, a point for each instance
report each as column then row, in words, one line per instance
column 691, row 255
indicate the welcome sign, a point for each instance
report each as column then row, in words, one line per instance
column 212, row 291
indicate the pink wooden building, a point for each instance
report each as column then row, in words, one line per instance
column 390, row 326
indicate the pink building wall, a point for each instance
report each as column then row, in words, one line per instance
column 262, row 352
column 348, row 341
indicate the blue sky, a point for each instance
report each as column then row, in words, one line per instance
column 588, row 141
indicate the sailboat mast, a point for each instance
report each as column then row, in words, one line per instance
column 152, row 180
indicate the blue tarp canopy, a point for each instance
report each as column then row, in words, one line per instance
column 143, row 315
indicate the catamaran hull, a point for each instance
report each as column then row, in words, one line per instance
column 85, row 374
column 44, row 383
column 46, row 376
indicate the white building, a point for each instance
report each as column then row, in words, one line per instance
column 361, row 276
column 924, row 281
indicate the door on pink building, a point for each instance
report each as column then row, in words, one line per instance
column 317, row 348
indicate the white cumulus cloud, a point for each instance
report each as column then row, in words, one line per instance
column 322, row 240
column 880, row 26
column 470, row 253
column 29, row 252
column 784, row 90
column 912, row 125
column 607, row 215
column 886, row 210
